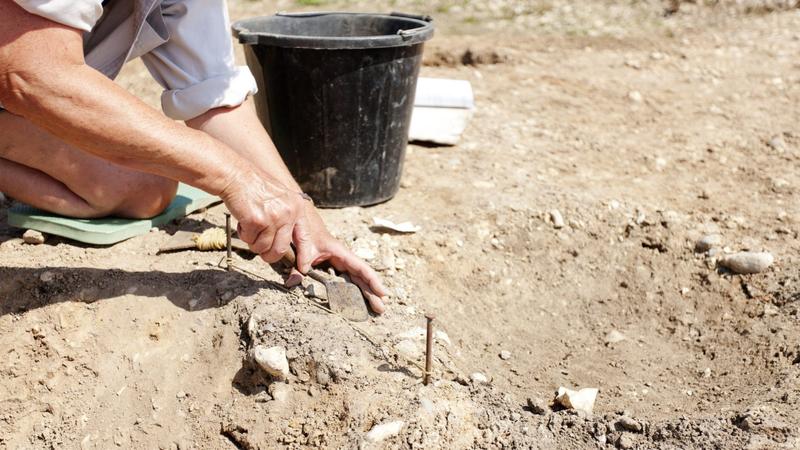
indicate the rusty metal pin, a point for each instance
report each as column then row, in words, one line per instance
column 428, row 349
column 228, row 237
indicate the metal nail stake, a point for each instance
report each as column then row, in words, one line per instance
column 428, row 349
column 229, row 255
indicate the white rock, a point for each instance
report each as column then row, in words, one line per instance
column 403, row 227
column 708, row 242
column 582, row 400
column 33, row 237
column 747, row 262
column 614, row 337
column 635, row 96
column 557, row 219
column 384, row 431
column 478, row 378
column 505, row 355
column 280, row 392
column 272, row 360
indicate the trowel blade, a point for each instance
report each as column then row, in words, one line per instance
column 346, row 300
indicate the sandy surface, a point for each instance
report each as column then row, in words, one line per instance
column 646, row 132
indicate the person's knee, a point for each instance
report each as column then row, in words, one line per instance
column 148, row 200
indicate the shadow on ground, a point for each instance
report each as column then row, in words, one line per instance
column 23, row 289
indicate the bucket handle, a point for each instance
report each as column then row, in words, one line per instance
column 408, row 34
column 425, row 18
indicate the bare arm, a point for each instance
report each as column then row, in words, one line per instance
column 240, row 128
column 44, row 78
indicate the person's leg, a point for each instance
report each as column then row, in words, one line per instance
column 38, row 169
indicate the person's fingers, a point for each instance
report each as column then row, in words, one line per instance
column 248, row 232
column 363, row 275
column 281, row 243
column 263, row 242
column 375, row 303
column 303, row 243
column 346, row 261
column 295, row 278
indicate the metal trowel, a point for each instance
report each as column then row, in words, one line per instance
column 344, row 297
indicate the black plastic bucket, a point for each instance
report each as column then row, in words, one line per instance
column 336, row 92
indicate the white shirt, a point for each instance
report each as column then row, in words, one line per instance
column 185, row 45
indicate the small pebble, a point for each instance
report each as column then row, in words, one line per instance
column 384, row 431
column 625, row 442
column 33, row 237
column 629, row 424
column 747, row 262
column 635, row 96
column 557, row 219
column 505, row 355
column 537, row 406
column 614, row 337
column 478, row 378
column 708, row 242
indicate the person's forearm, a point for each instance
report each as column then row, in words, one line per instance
column 82, row 107
column 240, row 129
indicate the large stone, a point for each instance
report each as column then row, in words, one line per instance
column 582, row 400
column 272, row 360
column 747, row 262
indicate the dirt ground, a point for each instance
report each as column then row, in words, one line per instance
column 647, row 128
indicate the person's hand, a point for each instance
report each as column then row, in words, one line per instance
column 316, row 245
column 270, row 215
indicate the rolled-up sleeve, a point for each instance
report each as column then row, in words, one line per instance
column 80, row 14
column 196, row 65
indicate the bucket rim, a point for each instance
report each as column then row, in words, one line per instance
column 421, row 32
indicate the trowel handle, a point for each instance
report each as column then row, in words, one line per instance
column 290, row 260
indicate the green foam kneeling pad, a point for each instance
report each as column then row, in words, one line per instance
column 109, row 230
